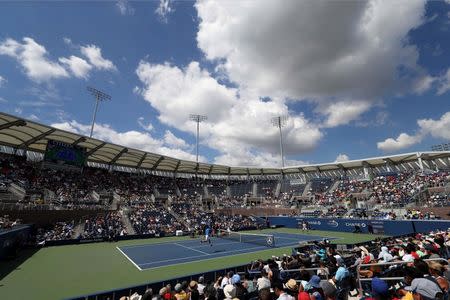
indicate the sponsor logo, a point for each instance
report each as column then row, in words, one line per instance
column 333, row 223
column 269, row 240
column 315, row 222
column 353, row 224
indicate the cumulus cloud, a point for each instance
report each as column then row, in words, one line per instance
column 436, row 128
column 2, row 81
column 342, row 157
column 133, row 139
column 318, row 50
column 174, row 141
column 238, row 124
column 94, row 54
column 78, row 66
column 33, row 57
column 164, row 9
column 404, row 140
column 343, row 112
column 35, row 61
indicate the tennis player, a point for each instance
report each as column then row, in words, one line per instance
column 207, row 236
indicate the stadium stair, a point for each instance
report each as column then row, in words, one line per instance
column 78, row 230
column 334, row 186
column 126, row 222
column 307, row 188
column 278, row 189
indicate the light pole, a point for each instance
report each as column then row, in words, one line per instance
column 198, row 119
column 280, row 122
column 99, row 96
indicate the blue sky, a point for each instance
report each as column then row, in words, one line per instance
column 357, row 79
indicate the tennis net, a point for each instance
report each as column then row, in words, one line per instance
column 267, row 240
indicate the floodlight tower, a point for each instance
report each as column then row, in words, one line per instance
column 280, row 122
column 99, row 96
column 198, row 119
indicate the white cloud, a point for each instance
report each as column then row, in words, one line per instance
column 341, row 113
column 78, row 66
column 238, row 124
column 342, row 157
column 164, row 9
column 33, row 58
column 423, row 84
column 444, row 83
column 436, row 128
column 146, row 127
column 2, row 81
column 171, row 140
column 133, row 139
column 94, row 55
column 124, row 7
column 403, row 141
column 18, row 110
column 325, row 51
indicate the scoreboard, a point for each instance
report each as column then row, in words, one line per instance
column 62, row 153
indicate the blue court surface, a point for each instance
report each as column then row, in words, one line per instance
column 151, row 256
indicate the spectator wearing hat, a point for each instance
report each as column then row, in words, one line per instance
column 291, row 287
column 193, row 290
column 436, row 270
column 229, row 291
column 425, row 289
column 279, row 291
column 241, row 291
column 314, row 288
column 342, row 271
column 384, row 255
column 380, row 289
column 180, row 294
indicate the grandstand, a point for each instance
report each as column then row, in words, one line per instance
column 144, row 211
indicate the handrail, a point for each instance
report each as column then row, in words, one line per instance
column 359, row 279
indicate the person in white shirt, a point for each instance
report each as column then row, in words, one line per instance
column 226, row 280
column 263, row 282
column 280, row 293
column 201, row 286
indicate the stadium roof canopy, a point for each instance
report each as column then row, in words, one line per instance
column 32, row 136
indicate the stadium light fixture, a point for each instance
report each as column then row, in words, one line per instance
column 280, row 122
column 99, row 96
column 198, row 119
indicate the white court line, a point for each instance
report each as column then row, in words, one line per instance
column 193, row 249
column 196, row 256
column 215, row 242
column 139, row 268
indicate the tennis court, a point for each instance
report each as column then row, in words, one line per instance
column 150, row 256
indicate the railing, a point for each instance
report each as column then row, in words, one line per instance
column 359, row 279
